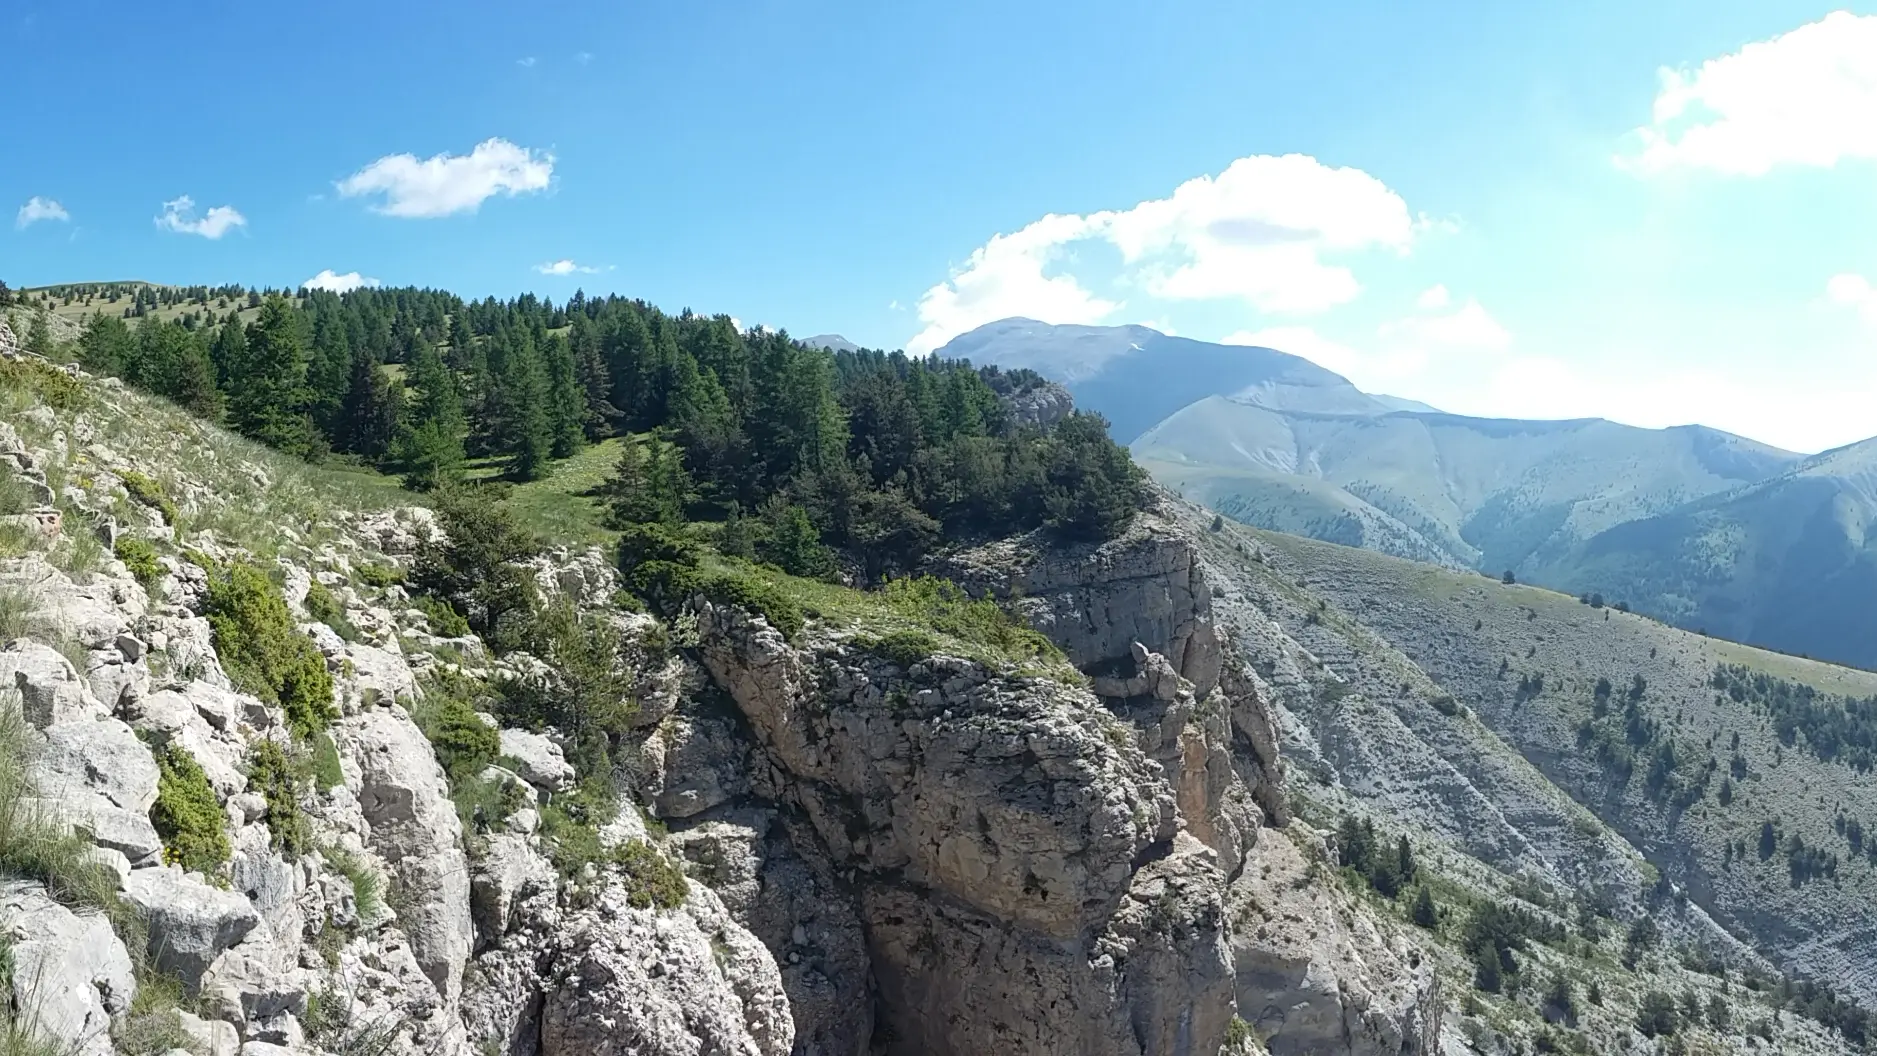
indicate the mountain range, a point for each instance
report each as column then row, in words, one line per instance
column 1703, row 528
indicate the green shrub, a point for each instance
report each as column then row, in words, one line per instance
column 55, row 387
column 149, row 493
column 327, row 773
column 277, row 776
column 747, row 591
column 322, row 606
column 443, row 617
column 187, row 814
column 904, row 648
column 463, row 742
column 380, row 576
column 650, row 878
column 944, row 607
column 264, row 654
column 139, row 555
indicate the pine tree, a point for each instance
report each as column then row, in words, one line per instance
column 595, row 382
column 230, row 350
column 195, row 388
column 1422, row 910
column 268, row 390
column 369, row 414
column 329, row 372
column 566, row 398
column 39, row 335
column 523, row 423
column 649, row 484
column 430, row 438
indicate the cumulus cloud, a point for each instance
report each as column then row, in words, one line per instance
column 336, row 283
column 179, row 215
column 1435, row 296
column 1006, row 277
column 444, row 184
column 37, row 209
column 1262, row 232
column 1807, row 97
column 564, row 267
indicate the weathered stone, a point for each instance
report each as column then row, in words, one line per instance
column 406, row 800
column 71, row 971
column 50, row 689
column 538, row 760
column 646, row 982
column 191, row 923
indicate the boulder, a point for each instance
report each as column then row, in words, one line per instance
column 69, row 970
column 50, row 689
column 101, row 756
column 507, row 871
column 405, row 799
column 246, row 988
column 191, row 923
column 538, row 760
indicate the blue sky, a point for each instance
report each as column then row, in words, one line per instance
column 1495, row 209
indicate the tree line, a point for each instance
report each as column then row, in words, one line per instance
column 873, row 454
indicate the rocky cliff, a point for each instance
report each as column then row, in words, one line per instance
column 826, row 847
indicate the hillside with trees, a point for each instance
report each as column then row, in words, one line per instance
column 797, row 455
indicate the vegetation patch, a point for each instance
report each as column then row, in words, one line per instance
column 149, row 493
column 187, row 813
column 324, row 607
column 277, row 775
column 327, row 772
column 264, row 653
column 139, row 556
column 904, row 648
column 651, row 879
column 367, row 885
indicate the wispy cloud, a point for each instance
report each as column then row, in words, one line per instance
column 583, row 57
column 179, row 215
column 525, row 61
column 564, row 267
column 37, row 209
column 330, row 280
column 445, row 184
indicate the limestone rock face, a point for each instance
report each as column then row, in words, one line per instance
column 71, row 971
column 641, row 982
column 1096, row 600
column 406, row 800
column 1317, row 977
column 191, row 923
column 797, row 907
column 996, row 831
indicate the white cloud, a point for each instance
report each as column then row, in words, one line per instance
column 450, row 183
column 1435, row 296
column 1468, row 328
column 525, row 61
column 329, row 280
column 179, row 215
column 1854, row 292
column 37, row 209
column 583, row 57
column 1807, row 97
column 1004, row 277
column 564, row 267
column 1259, row 232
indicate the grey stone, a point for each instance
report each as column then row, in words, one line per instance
column 191, row 923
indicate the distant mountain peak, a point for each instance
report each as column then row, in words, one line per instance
column 833, row 341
